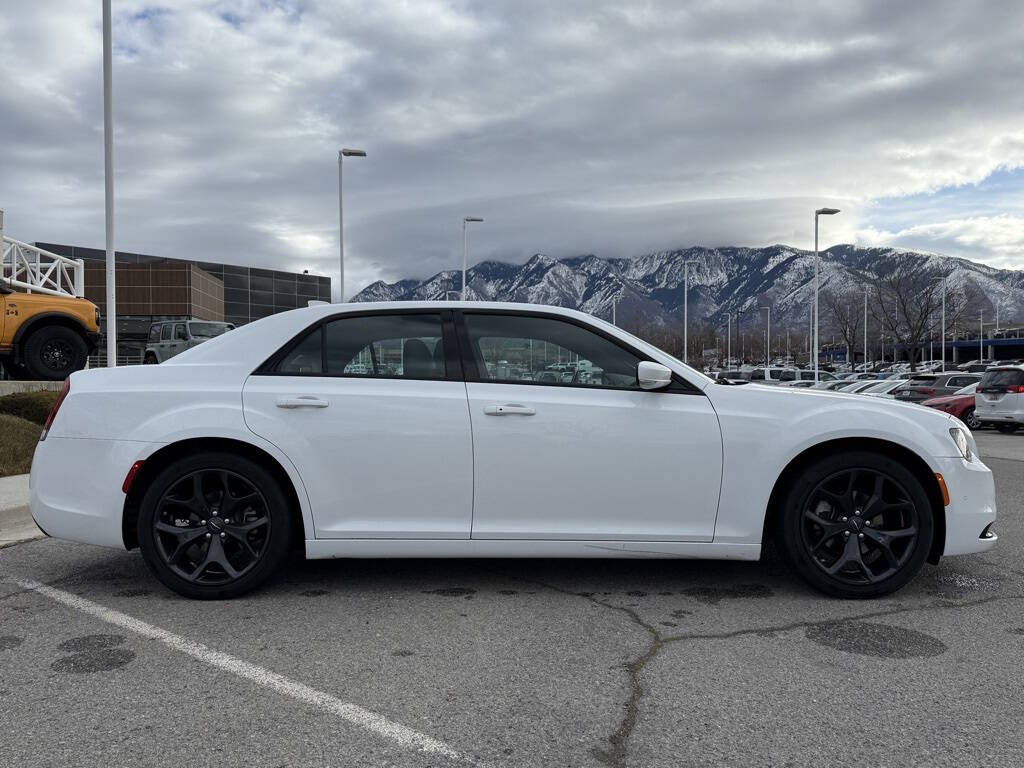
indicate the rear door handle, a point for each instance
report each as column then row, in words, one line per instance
column 301, row 401
column 509, row 409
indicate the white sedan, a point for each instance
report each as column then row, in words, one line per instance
column 426, row 430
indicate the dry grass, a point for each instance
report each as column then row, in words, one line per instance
column 18, row 438
column 33, row 406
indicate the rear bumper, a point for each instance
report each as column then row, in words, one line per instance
column 75, row 487
column 972, row 506
column 1000, row 418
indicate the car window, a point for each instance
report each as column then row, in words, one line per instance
column 968, row 390
column 165, row 333
column 401, row 346
column 154, row 333
column 788, row 375
column 1006, row 377
column 757, row 375
column 180, row 334
column 208, row 330
column 516, row 348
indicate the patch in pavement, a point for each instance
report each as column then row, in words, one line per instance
column 715, row 595
column 315, row 593
column 92, row 653
column 881, row 640
column 402, row 653
column 8, row 642
column 451, row 591
column 133, row 593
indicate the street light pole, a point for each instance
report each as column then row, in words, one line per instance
column 768, row 341
column 865, row 330
column 728, row 359
column 817, row 213
column 341, row 229
column 465, row 249
column 943, row 324
column 108, row 185
column 686, row 308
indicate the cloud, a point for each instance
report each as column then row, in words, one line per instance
column 996, row 240
column 589, row 125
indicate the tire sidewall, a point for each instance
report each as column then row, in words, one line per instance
column 33, row 360
column 968, row 414
column 790, row 519
column 278, row 547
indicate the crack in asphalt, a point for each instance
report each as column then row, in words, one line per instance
column 615, row 755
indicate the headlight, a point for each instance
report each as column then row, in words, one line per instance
column 962, row 443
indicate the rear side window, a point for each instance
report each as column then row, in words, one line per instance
column 757, row 375
column 381, row 346
column 165, row 333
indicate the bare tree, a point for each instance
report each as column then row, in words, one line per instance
column 847, row 319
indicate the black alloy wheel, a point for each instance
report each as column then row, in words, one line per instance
column 54, row 352
column 859, row 526
column 214, row 526
column 855, row 525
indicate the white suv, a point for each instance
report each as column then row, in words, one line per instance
column 1000, row 398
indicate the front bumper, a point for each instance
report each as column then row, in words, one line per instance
column 75, row 487
column 93, row 338
column 972, row 506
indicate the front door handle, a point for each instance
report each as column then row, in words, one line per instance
column 509, row 409
column 301, row 401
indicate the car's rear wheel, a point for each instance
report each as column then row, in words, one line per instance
column 855, row 525
column 214, row 525
column 1007, row 429
column 150, row 359
column 54, row 352
column 970, row 418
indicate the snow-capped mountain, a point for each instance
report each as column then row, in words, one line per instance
column 648, row 290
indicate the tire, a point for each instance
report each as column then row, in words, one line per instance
column 970, row 418
column 54, row 352
column 825, row 524
column 205, row 546
column 1007, row 429
column 150, row 359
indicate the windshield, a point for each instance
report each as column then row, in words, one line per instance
column 209, row 330
column 970, row 389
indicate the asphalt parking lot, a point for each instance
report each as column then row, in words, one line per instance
column 515, row 663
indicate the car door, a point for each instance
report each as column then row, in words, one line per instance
column 590, row 456
column 371, row 410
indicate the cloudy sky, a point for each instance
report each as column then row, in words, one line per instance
column 577, row 126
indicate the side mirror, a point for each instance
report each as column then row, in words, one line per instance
column 653, row 375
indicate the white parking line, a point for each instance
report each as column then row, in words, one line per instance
column 353, row 713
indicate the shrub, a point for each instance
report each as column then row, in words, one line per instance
column 18, row 438
column 33, row 406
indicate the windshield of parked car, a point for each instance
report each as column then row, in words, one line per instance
column 209, row 330
column 970, row 389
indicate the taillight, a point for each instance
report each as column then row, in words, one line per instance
column 65, row 388
column 1016, row 388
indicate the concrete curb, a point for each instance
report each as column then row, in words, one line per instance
column 16, row 524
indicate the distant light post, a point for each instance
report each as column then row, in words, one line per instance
column 465, row 249
column 768, row 340
column 817, row 213
column 866, row 330
column 943, row 282
column 686, row 306
column 341, row 228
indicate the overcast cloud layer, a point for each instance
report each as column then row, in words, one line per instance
column 605, row 127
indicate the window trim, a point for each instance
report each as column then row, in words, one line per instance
column 453, row 364
column 470, row 365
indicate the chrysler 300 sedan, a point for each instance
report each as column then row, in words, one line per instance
column 492, row 430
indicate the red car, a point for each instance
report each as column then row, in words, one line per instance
column 960, row 404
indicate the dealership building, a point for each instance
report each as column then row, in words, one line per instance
column 154, row 288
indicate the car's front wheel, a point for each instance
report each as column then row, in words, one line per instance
column 214, row 525
column 1007, row 429
column 855, row 525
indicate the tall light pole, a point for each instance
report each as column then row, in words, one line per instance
column 341, row 228
column 943, row 281
column 817, row 213
column 686, row 307
column 768, row 341
column 981, row 336
column 108, row 184
column 728, row 344
column 866, row 330
column 465, row 249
